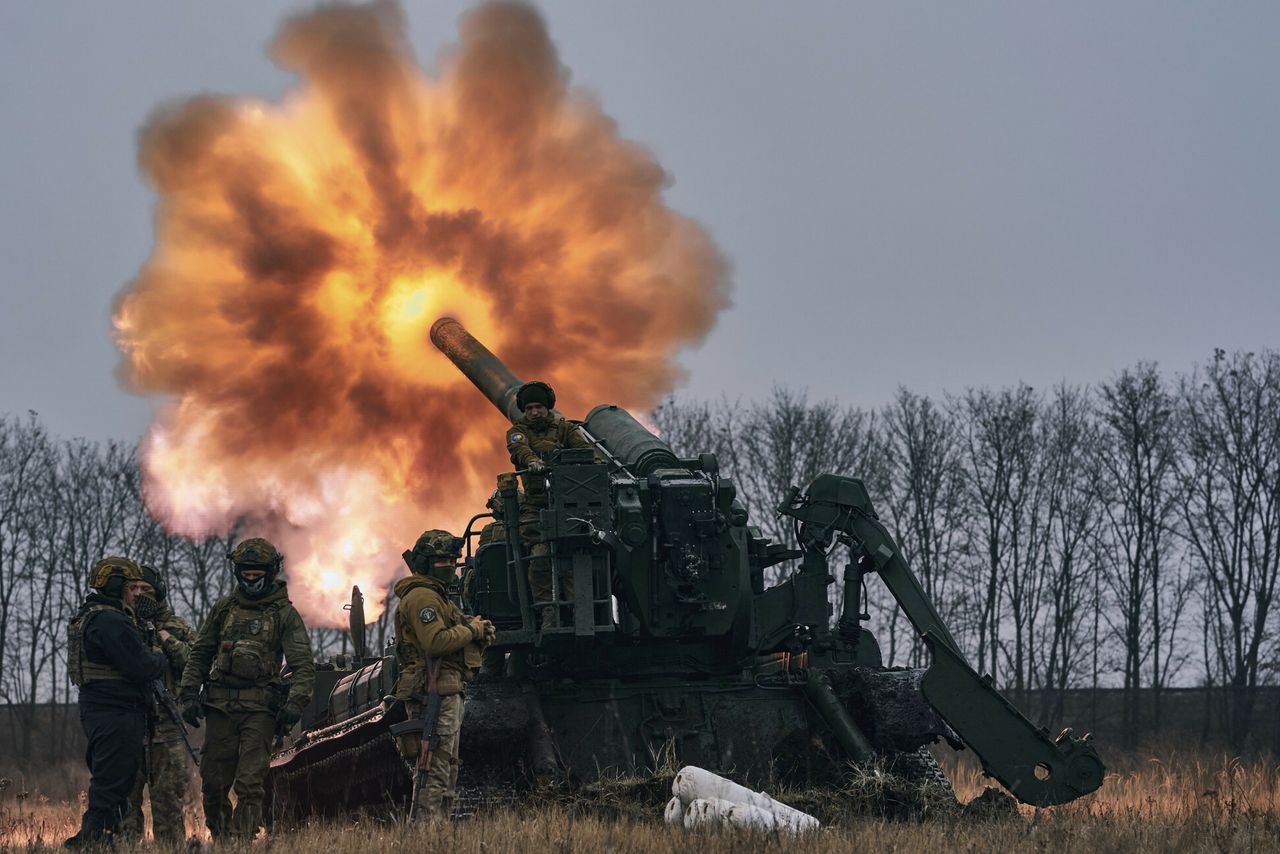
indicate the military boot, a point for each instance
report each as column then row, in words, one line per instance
column 94, row 832
column 245, row 821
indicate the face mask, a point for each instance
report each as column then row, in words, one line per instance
column 252, row 588
column 146, row 607
column 444, row 573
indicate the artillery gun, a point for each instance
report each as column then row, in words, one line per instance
column 674, row 647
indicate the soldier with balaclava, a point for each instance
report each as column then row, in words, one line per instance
column 165, row 766
column 536, row 434
column 108, row 662
column 236, row 660
column 439, row 649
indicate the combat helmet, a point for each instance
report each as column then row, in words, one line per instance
column 255, row 553
column 431, row 545
column 535, row 392
column 110, row 574
column 495, row 505
column 152, row 576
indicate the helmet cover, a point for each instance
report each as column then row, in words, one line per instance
column 434, row 544
column 113, row 567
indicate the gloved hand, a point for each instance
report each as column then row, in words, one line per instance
column 477, row 624
column 289, row 715
column 537, row 466
column 192, row 712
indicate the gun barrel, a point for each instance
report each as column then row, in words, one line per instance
column 626, row 438
column 485, row 370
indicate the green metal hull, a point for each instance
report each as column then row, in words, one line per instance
column 758, row 729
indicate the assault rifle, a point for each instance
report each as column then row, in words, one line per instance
column 279, row 697
column 160, row 693
column 166, row 701
column 426, row 727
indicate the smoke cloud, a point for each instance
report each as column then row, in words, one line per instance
column 303, row 249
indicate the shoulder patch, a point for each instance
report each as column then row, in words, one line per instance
column 427, row 615
column 516, row 437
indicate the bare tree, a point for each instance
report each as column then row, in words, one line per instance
column 787, row 441
column 925, row 502
column 999, row 436
column 200, row 575
column 1069, row 439
column 63, row 505
column 24, row 449
column 1137, row 486
column 1231, row 504
column 26, row 455
column 693, row 427
column 769, row 446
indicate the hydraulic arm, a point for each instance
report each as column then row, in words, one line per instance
column 1038, row 769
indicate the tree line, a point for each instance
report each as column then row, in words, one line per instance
column 1124, row 535
column 63, row 505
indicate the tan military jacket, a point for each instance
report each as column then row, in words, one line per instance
column 428, row 625
column 528, row 441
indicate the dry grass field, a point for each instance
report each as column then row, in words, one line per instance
column 1149, row 803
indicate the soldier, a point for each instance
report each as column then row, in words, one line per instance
column 528, row 441
column 108, row 662
column 165, row 767
column 433, row 633
column 495, row 531
column 236, row 659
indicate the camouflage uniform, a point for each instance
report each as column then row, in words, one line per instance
column 165, row 767
column 236, row 658
column 429, row 626
column 528, row 442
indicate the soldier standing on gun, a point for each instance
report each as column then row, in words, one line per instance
column 528, row 441
column 165, row 768
column 108, row 662
column 495, row 531
column 432, row 634
column 236, row 660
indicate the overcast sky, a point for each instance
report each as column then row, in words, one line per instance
column 936, row 195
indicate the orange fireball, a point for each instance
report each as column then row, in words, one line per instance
column 304, row 248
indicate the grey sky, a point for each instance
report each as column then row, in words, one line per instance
column 935, row 195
